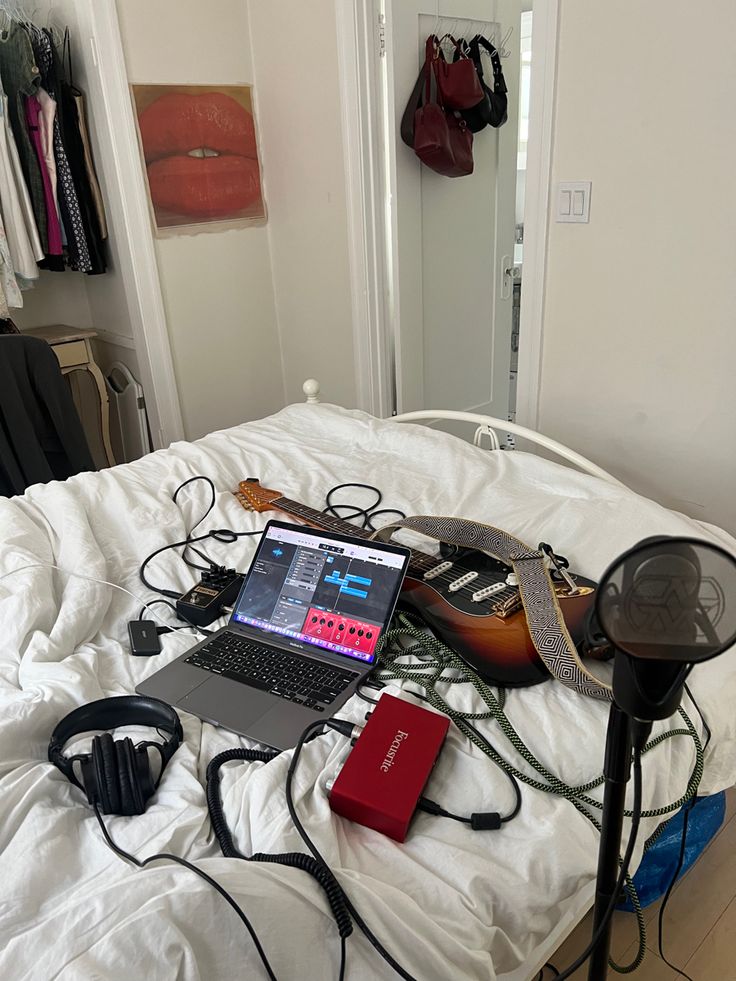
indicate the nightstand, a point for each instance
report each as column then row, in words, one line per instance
column 73, row 349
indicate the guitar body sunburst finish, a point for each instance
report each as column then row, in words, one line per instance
column 499, row 649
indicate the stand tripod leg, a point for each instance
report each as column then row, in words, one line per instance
column 616, row 770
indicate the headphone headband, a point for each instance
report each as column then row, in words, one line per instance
column 110, row 713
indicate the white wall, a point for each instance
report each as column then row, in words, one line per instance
column 295, row 60
column 217, row 286
column 56, row 298
column 639, row 330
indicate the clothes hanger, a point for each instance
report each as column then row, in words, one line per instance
column 503, row 51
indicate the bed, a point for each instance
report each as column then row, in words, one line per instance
column 449, row 903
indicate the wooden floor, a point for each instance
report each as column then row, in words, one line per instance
column 699, row 923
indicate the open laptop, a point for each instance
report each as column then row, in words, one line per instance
column 302, row 634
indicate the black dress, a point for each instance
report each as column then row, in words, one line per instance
column 74, row 145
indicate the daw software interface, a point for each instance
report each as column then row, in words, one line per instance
column 334, row 594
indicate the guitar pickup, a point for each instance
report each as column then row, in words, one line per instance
column 462, row 581
column 482, row 594
column 438, row 570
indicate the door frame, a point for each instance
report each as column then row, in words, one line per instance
column 116, row 150
column 369, row 144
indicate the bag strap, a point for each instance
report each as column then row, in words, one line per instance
column 414, row 103
column 547, row 627
column 499, row 82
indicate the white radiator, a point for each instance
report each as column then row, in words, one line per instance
column 128, row 417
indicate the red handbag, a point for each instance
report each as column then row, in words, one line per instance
column 458, row 81
column 442, row 141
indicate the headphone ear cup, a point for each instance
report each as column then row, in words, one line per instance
column 89, row 779
column 105, row 764
column 131, row 798
column 146, row 782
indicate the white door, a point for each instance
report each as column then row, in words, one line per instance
column 452, row 238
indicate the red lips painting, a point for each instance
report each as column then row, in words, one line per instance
column 200, row 152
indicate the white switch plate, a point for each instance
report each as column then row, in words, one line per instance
column 573, row 201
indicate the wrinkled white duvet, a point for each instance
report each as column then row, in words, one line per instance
column 449, row 903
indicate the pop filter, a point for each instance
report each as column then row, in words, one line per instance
column 670, row 599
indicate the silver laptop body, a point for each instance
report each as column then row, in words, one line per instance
column 315, row 600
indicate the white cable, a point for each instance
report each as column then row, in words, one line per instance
column 101, row 582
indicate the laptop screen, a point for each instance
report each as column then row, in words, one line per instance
column 331, row 591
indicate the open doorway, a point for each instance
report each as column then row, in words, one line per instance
column 438, row 333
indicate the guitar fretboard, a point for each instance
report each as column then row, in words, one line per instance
column 419, row 562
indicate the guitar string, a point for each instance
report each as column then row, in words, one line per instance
column 501, row 598
column 418, row 558
column 479, row 582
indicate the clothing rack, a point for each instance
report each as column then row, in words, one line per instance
column 52, row 214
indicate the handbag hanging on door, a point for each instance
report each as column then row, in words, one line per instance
column 457, row 80
column 440, row 139
column 492, row 110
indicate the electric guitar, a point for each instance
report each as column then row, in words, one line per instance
column 469, row 599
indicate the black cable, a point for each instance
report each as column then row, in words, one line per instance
column 343, row 958
column 555, row 972
column 225, row 535
column 461, row 724
column 154, row 602
column 511, row 778
column 706, row 727
column 366, row 514
column 320, row 871
column 680, row 861
column 368, row 933
column 164, row 856
column 213, row 499
column 681, row 858
column 366, row 698
column 164, row 630
column 635, row 821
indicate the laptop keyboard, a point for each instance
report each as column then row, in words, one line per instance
column 295, row 678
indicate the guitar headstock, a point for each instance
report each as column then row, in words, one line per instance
column 253, row 497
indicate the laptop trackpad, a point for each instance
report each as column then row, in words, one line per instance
column 228, row 704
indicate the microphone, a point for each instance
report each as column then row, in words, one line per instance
column 665, row 600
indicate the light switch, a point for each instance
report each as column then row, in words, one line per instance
column 573, row 201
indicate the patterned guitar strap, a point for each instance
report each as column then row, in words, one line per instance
column 544, row 618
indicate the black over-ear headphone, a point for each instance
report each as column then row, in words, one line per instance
column 116, row 774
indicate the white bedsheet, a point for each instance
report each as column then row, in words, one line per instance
column 449, row 903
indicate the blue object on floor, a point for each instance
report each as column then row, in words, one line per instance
column 658, row 865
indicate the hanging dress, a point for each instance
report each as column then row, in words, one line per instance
column 46, row 132
column 20, row 77
column 71, row 215
column 55, row 250
column 75, row 152
column 89, row 163
column 15, row 203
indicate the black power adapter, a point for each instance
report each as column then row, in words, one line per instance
column 144, row 641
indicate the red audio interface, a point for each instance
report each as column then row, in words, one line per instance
column 389, row 766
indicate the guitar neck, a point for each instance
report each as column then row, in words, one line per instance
column 419, row 562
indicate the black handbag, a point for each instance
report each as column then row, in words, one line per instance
column 493, row 109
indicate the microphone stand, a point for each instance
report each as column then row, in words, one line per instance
column 643, row 690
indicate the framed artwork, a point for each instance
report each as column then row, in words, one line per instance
column 200, row 155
